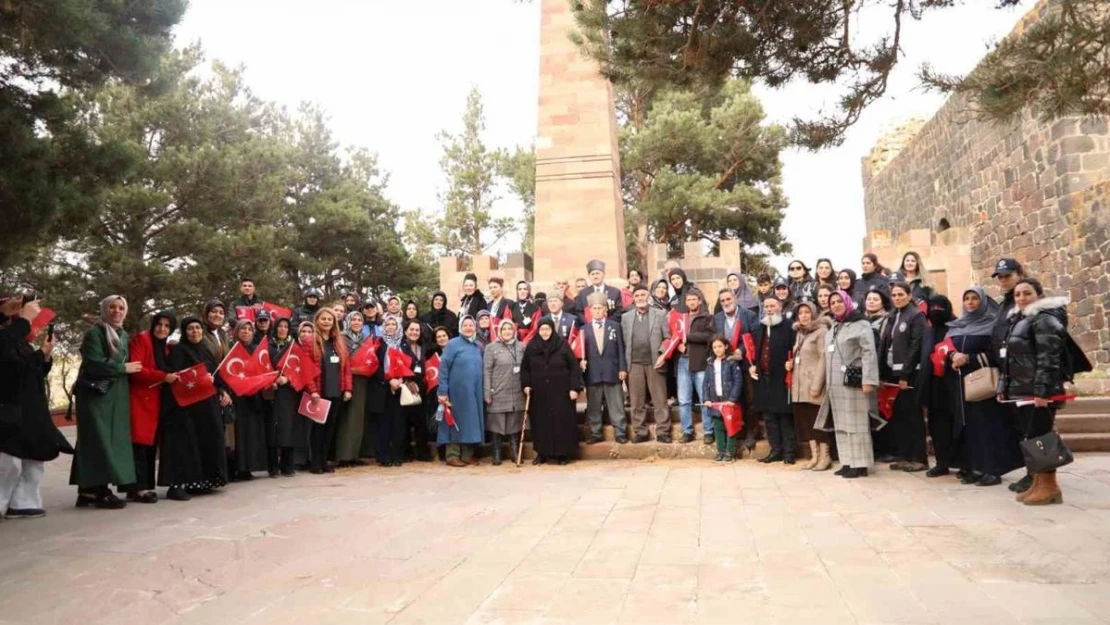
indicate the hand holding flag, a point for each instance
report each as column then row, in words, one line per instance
column 193, row 385
column 431, row 372
column 364, row 361
column 939, row 357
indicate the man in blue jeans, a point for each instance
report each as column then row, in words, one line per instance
column 692, row 362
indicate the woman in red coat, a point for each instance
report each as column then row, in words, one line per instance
column 146, row 389
column 334, row 384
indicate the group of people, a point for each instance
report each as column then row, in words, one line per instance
column 825, row 364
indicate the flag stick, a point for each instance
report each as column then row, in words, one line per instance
column 523, row 426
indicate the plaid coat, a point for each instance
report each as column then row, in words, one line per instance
column 846, row 409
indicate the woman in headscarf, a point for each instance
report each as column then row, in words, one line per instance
column 215, row 339
column 440, row 316
column 873, row 278
column 28, row 438
column 192, row 459
column 391, row 424
column 550, row 372
column 899, row 360
column 504, row 399
column 352, row 420
column 737, row 282
column 483, row 331
column 846, row 409
column 333, row 384
column 935, row 393
column 680, row 284
column 250, row 419
column 377, row 391
column 290, row 427
column 103, row 453
column 825, row 274
column 460, row 390
column 148, row 390
column 846, row 280
column 524, row 310
column 660, row 296
column 990, row 439
column 802, row 285
column 472, row 301
column 414, row 427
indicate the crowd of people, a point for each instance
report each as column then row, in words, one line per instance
column 827, row 365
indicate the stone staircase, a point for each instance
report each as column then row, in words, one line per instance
column 1084, row 424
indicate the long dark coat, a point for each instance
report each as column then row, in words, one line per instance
column 552, row 374
column 192, row 447
column 103, row 452
column 772, row 395
column 22, row 383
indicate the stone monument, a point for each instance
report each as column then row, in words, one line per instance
column 579, row 212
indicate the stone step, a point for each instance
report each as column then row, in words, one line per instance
column 1069, row 423
column 611, row 450
column 1087, row 405
column 1087, row 442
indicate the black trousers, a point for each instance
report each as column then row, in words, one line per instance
column 909, row 428
column 1034, row 422
column 144, row 465
column 416, row 430
column 780, row 433
column 391, row 430
column 322, row 436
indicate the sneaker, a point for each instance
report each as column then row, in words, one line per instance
column 709, row 439
column 688, row 437
column 25, row 513
column 727, row 458
column 719, row 458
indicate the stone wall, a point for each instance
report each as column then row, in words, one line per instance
column 1035, row 191
column 706, row 272
column 452, row 270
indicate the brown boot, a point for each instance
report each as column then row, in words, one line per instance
column 813, row 456
column 824, row 460
column 1029, row 491
column 1047, row 493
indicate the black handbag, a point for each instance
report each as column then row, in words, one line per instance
column 96, row 387
column 1046, row 453
column 853, row 373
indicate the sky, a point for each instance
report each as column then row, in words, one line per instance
column 392, row 74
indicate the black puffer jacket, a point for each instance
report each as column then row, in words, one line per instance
column 1002, row 325
column 869, row 282
column 902, row 335
column 1035, row 350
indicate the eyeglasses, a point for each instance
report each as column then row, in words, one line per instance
column 795, row 268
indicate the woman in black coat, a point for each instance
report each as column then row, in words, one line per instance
column 193, row 460
column 473, row 301
column 873, row 278
column 899, row 362
column 290, row 428
column 440, row 316
column 1038, row 362
column 552, row 379
column 28, row 437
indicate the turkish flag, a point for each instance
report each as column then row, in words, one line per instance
column 626, row 298
column 245, row 312
column 277, row 312
column 939, row 357
column 888, row 393
column 732, row 415
column 506, row 315
column 734, row 340
column 449, row 418
column 749, row 347
column 577, row 344
column 261, row 363
column 431, row 372
column 41, row 321
column 314, row 409
column 531, row 328
column 299, row 367
column 364, row 361
column 243, row 373
column 400, row 365
column 789, row 374
column 676, row 321
column 192, row 386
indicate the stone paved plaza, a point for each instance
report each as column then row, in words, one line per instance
column 595, row 542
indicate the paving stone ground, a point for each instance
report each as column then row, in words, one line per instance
column 631, row 542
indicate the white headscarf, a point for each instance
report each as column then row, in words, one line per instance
column 112, row 332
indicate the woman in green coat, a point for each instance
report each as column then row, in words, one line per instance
column 103, row 454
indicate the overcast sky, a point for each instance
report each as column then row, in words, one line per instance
column 392, row 74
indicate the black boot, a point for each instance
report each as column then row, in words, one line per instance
column 272, row 462
column 496, row 450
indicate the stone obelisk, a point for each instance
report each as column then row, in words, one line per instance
column 579, row 214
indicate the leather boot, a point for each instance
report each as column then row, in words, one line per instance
column 1045, row 492
column 824, row 461
column 496, row 450
column 1029, row 491
column 813, row 456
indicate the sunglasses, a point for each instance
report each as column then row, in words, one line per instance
column 795, row 268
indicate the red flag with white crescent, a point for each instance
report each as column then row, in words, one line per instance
column 400, row 365
column 431, row 372
column 749, row 347
column 277, row 312
column 298, row 366
column 364, row 361
column 41, row 321
column 245, row 312
column 239, row 372
column 732, row 415
column 577, row 344
column 940, row 355
column 193, row 385
column 888, row 394
column 262, row 362
column 314, row 409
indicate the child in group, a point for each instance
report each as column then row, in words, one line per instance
column 723, row 383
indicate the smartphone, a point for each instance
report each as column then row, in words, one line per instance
column 50, row 332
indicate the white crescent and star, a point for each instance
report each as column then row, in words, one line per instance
column 231, row 363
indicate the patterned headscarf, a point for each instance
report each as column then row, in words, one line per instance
column 849, row 305
column 112, row 332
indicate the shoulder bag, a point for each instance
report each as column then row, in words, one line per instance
column 409, row 398
column 982, row 383
column 1046, row 453
column 853, row 373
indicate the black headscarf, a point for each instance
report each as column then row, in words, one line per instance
column 161, row 354
column 195, row 352
column 851, row 275
column 662, row 303
column 678, row 302
column 212, row 304
column 539, row 346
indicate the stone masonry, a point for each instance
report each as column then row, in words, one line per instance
column 1035, row 191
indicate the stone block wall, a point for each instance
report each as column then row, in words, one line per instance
column 453, row 269
column 706, row 272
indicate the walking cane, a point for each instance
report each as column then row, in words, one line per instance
column 523, row 426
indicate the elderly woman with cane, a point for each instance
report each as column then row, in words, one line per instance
column 504, row 397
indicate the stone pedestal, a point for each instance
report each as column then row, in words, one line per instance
column 579, row 213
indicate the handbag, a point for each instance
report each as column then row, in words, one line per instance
column 96, row 387
column 409, row 398
column 1046, row 453
column 982, row 383
column 853, row 373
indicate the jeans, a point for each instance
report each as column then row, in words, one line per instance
column 688, row 383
